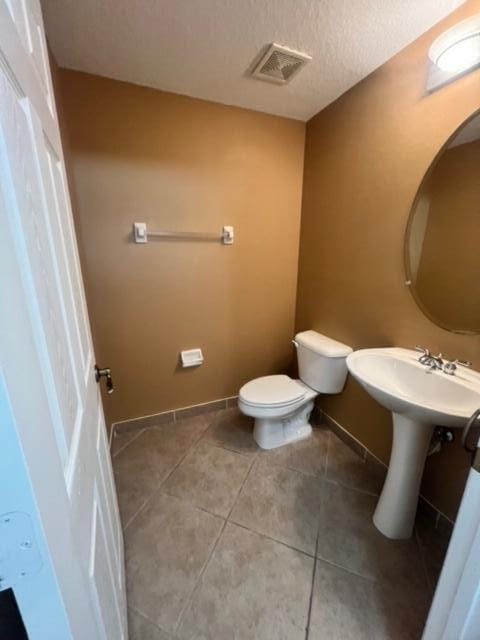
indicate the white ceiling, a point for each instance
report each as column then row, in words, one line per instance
column 203, row 48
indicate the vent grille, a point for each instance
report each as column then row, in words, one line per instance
column 280, row 64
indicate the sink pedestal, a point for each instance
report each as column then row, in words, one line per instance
column 396, row 508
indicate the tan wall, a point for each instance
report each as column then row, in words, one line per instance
column 366, row 155
column 449, row 271
column 137, row 154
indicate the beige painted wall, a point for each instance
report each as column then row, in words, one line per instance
column 365, row 157
column 174, row 162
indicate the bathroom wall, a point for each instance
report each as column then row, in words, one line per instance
column 137, row 154
column 365, row 157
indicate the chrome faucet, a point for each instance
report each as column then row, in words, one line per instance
column 429, row 360
column 437, row 363
column 425, row 354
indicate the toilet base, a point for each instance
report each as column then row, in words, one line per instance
column 270, row 433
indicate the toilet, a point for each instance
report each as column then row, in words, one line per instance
column 282, row 406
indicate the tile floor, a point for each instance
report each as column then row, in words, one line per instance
column 225, row 541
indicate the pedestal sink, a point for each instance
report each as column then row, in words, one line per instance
column 419, row 399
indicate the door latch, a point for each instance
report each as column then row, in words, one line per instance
column 104, row 373
column 470, row 447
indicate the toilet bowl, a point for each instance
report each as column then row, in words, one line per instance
column 281, row 405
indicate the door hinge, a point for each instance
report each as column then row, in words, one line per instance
column 19, row 554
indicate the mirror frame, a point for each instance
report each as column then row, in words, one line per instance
column 406, row 250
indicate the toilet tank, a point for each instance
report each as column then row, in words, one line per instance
column 321, row 361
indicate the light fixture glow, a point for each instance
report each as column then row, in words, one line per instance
column 460, row 55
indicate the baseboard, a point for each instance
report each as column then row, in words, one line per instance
column 432, row 513
column 174, row 415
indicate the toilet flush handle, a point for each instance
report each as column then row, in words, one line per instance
column 295, row 343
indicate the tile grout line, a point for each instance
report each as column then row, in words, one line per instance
column 328, row 452
column 204, row 568
column 350, row 488
column 294, row 469
column 158, row 489
column 349, row 571
column 264, row 535
column 149, row 620
column 247, row 475
column 195, row 506
column 215, row 445
column 114, row 455
column 423, row 558
column 267, row 537
column 189, row 599
column 314, row 573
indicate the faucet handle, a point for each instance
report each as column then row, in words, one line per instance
column 425, row 352
column 451, row 367
column 464, row 363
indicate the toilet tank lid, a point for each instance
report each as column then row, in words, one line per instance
column 322, row 344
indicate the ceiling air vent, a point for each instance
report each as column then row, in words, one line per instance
column 280, row 64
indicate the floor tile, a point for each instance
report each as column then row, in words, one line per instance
column 401, row 612
column 144, row 463
column 280, row 503
column 347, row 468
column 209, row 477
column 232, row 430
column 139, row 628
column 342, row 606
column 348, row 538
column 348, row 607
column 308, row 455
column 253, row 588
column 120, row 440
column 166, row 548
column 433, row 547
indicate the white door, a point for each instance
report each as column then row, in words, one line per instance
column 61, row 546
column 455, row 611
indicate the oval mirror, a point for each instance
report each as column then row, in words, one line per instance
column 442, row 243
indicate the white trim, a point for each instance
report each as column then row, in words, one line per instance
column 172, row 411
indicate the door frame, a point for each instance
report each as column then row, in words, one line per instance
column 455, row 610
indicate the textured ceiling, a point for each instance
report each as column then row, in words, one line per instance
column 203, row 48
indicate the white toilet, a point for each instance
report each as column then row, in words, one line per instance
column 280, row 405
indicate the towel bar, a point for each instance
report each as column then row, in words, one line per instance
column 141, row 234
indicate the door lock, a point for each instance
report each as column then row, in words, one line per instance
column 104, row 373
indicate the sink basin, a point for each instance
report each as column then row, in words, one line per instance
column 419, row 400
column 396, row 379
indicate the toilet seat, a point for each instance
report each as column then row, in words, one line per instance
column 272, row 391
